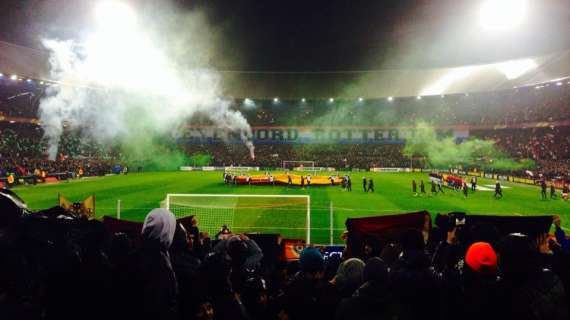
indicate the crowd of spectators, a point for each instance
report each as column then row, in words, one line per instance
column 56, row 266
column 503, row 116
column 23, row 152
column 546, row 102
column 548, row 147
column 343, row 156
column 40, row 168
column 509, row 107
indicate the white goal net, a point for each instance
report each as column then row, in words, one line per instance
column 292, row 165
column 288, row 215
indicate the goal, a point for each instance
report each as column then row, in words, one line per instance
column 291, row 165
column 288, row 215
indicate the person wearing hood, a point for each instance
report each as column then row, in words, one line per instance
column 301, row 295
column 373, row 299
column 250, row 255
column 151, row 282
column 347, row 279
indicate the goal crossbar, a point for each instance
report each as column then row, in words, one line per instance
column 310, row 164
column 210, row 195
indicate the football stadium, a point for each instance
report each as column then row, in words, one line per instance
column 300, row 160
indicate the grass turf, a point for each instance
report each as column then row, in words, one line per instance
column 140, row 192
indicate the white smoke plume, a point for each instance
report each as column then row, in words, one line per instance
column 121, row 80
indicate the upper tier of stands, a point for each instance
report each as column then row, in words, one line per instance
column 547, row 102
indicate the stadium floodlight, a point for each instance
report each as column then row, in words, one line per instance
column 515, row 68
column 501, row 15
column 448, row 79
column 13, row 77
column 390, row 98
column 331, row 100
column 288, row 215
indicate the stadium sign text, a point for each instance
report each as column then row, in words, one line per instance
column 309, row 135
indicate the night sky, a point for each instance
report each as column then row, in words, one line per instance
column 323, row 35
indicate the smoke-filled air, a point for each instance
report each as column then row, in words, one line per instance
column 444, row 151
column 129, row 84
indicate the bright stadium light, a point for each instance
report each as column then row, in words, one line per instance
column 13, row 77
column 448, row 79
column 500, row 15
column 515, row 68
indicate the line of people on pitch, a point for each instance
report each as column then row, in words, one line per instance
column 563, row 193
column 436, row 187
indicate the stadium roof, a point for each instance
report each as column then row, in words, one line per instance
column 318, row 35
column 33, row 63
column 323, row 48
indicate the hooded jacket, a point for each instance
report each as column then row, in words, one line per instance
column 151, row 281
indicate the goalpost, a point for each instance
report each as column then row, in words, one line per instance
column 288, row 215
column 292, row 164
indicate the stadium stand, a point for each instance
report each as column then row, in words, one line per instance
column 528, row 122
column 56, row 265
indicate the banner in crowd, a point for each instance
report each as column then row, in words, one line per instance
column 314, row 135
column 384, row 228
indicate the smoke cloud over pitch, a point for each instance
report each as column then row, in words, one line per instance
column 444, row 152
column 126, row 79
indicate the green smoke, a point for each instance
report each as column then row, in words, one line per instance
column 200, row 159
column 444, row 152
column 144, row 144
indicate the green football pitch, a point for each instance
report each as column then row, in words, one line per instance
column 140, row 192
